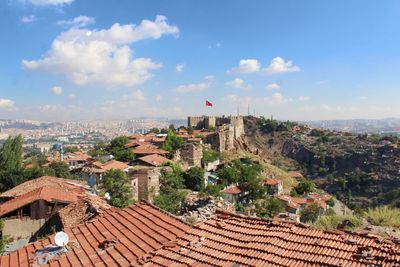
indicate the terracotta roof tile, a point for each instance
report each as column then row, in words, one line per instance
column 234, row 190
column 234, row 239
column 48, row 181
column 154, row 160
column 43, row 193
column 114, row 164
column 148, row 150
column 271, row 181
column 119, row 238
column 144, row 235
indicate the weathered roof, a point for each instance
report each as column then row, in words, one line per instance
column 114, row 164
column 154, row 160
column 82, row 210
column 119, row 238
column 48, row 181
column 235, row 240
column 234, row 190
column 76, row 156
column 271, row 181
column 148, row 149
column 48, row 194
column 295, row 174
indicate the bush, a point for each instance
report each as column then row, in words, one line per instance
column 310, row 213
column 304, row 187
column 210, row 155
column 117, row 184
column 194, row 179
column 333, row 221
column 214, row 190
column 269, row 208
column 170, row 200
column 384, row 216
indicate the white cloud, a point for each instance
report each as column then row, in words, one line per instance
column 238, row 84
column 272, row 86
column 49, row 2
column 363, row 98
column 48, row 108
column 103, row 56
column 137, row 95
column 304, row 98
column 194, row 87
column 77, row 22
column 247, row 66
column 158, row 98
column 56, row 90
column 72, row 96
column 28, row 19
column 209, row 78
column 278, row 65
column 6, row 103
column 276, row 99
column 179, row 67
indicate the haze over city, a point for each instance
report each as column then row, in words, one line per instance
column 67, row 60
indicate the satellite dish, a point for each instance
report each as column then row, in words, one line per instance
column 107, row 196
column 61, row 239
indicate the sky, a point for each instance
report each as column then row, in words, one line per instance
column 66, row 60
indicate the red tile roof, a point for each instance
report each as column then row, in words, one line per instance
column 48, row 181
column 295, row 174
column 271, row 181
column 124, row 237
column 43, row 193
column 114, row 164
column 233, row 190
column 235, row 240
column 154, row 160
column 148, row 150
column 76, row 156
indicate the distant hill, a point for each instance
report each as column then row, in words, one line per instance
column 382, row 126
column 361, row 170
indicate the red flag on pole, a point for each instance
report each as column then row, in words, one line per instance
column 208, row 104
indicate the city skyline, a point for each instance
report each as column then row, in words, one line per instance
column 75, row 60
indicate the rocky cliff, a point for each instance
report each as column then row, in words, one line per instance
column 359, row 169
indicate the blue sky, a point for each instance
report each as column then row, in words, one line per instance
column 103, row 59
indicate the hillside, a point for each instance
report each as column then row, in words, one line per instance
column 361, row 170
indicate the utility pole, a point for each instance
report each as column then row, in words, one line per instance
column 248, row 109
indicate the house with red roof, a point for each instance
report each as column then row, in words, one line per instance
column 232, row 193
column 35, row 207
column 273, row 186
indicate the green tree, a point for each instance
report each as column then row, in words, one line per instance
column 71, row 149
column 213, row 190
column 119, row 150
column 170, row 200
column 11, row 163
column 310, row 213
column 59, row 169
column 210, row 155
column 155, row 130
column 99, row 150
column 269, row 207
column 171, row 179
column 246, row 173
column 117, row 184
column 172, row 143
column 305, row 186
column 171, row 195
column 194, row 179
